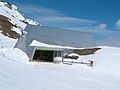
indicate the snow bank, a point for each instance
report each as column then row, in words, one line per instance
column 19, row 76
column 15, row 75
column 108, row 58
column 7, row 42
column 16, row 54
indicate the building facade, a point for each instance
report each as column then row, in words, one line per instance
column 52, row 43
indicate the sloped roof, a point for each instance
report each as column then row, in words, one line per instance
column 57, row 36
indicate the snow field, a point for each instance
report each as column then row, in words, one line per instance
column 17, row 75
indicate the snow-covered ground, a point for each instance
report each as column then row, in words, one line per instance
column 16, row 73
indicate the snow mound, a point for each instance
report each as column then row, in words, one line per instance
column 7, row 42
column 108, row 57
column 16, row 54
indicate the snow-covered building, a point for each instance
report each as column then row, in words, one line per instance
column 49, row 44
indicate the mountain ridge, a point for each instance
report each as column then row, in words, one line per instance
column 12, row 22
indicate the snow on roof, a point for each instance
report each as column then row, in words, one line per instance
column 40, row 44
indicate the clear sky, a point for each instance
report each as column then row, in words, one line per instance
column 101, row 17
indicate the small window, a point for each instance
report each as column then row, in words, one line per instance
column 58, row 53
column 55, row 53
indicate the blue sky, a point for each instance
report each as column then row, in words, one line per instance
column 106, row 11
column 100, row 17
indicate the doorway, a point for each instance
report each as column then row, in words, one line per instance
column 42, row 55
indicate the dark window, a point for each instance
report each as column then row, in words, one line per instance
column 58, row 53
column 55, row 53
column 41, row 55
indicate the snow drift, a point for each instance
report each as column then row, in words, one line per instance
column 15, row 75
column 17, row 54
